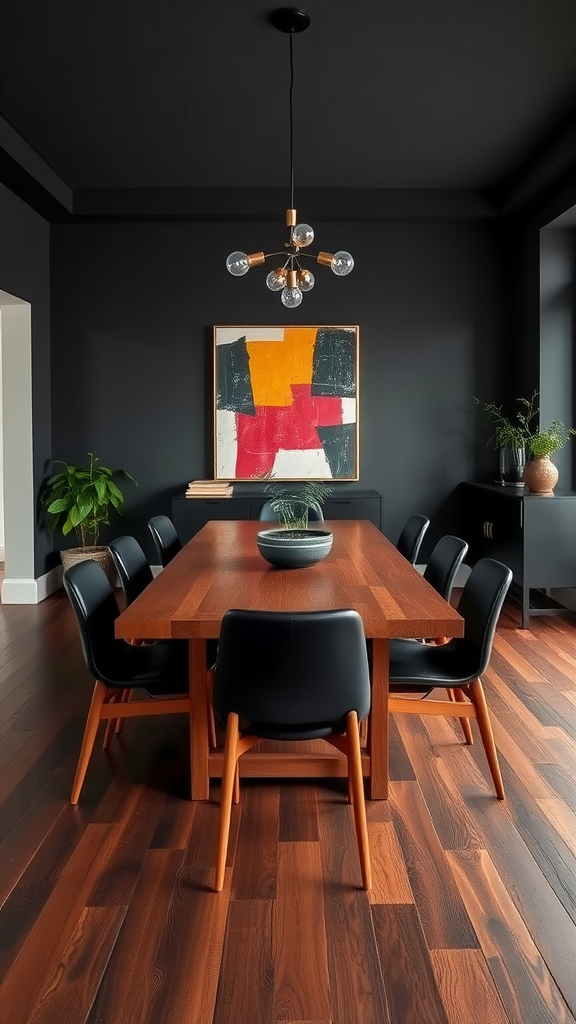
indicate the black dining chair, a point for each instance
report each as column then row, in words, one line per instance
column 165, row 538
column 135, row 575
column 411, row 535
column 458, row 664
column 446, row 558
column 118, row 668
column 268, row 515
column 291, row 676
column 132, row 566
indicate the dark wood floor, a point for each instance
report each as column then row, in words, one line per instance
column 107, row 915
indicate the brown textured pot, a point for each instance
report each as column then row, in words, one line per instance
column 541, row 475
column 70, row 556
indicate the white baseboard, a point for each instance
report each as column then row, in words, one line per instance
column 22, row 591
column 17, row 591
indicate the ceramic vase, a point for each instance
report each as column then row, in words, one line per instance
column 541, row 475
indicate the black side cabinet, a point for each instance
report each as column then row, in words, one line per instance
column 191, row 514
column 534, row 534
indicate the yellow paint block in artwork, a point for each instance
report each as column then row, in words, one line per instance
column 275, row 365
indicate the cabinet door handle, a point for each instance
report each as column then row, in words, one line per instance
column 485, row 529
column 490, row 529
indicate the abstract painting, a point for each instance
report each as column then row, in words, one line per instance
column 286, row 403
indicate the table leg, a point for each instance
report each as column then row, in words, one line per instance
column 199, row 777
column 378, row 725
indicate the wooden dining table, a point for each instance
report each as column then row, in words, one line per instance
column 221, row 568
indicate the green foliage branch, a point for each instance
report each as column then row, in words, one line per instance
column 513, row 432
column 292, row 503
column 80, row 498
column 546, row 442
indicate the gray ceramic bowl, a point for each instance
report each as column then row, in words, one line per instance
column 294, row 549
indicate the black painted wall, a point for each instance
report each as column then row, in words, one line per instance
column 133, row 305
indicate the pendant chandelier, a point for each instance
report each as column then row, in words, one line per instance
column 291, row 279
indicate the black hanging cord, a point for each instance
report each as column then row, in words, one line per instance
column 291, row 125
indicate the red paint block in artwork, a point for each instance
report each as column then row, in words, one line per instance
column 292, row 428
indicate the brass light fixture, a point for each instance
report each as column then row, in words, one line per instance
column 291, row 278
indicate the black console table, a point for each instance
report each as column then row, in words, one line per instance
column 191, row 514
column 534, row 534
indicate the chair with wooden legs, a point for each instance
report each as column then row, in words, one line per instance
column 291, row 676
column 160, row 670
column 441, row 568
column 135, row 575
column 411, row 536
column 440, row 572
column 458, row 664
column 165, row 537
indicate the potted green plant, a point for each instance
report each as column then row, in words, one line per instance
column 540, row 474
column 292, row 502
column 80, row 499
column 511, row 436
column 293, row 545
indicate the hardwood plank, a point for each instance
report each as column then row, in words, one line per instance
column 465, row 982
column 72, row 988
column 298, row 820
column 442, row 912
column 23, row 987
column 550, row 928
column 423, row 739
column 301, row 982
column 390, row 882
column 133, row 981
column 256, row 854
column 529, row 993
column 412, row 990
column 38, row 883
column 357, row 976
column 246, row 996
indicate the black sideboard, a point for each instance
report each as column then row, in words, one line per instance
column 534, row 534
column 191, row 514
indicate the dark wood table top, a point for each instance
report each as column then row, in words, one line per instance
column 221, row 568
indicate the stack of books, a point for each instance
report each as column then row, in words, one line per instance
column 209, row 489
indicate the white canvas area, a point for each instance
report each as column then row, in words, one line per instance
column 228, row 335
column 226, row 443
column 348, row 410
column 296, row 465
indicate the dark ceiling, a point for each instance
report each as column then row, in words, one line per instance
column 188, row 94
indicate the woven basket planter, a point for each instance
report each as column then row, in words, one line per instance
column 101, row 555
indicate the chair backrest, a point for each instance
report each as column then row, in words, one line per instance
column 131, row 565
column 292, row 674
column 268, row 515
column 165, row 537
column 480, row 606
column 443, row 564
column 96, row 611
column 410, row 538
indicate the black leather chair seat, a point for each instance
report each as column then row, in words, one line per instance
column 161, row 668
column 453, row 664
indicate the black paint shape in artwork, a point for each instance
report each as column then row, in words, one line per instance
column 234, row 387
column 334, row 365
column 339, row 444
